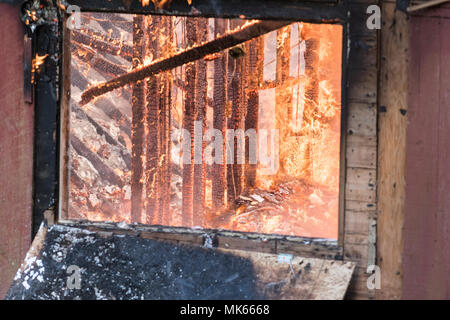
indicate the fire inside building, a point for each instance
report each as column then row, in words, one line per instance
column 224, row 150
column 246, row 138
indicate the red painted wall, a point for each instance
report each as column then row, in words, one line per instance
column 16, row 150
column 426, row 258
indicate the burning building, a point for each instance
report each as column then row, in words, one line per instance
column 217, row 123
column 224, row 149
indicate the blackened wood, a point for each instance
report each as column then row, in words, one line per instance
column 104, row 171
column 233, row 38
column 188, row 124
column 255, row 69
column 164, row 120
column 201, row 102
column 312, row 89
column 46, row 115
column 283, row 96
column 137, row 125
column 152, row 170
column 310, row 11
column 219, row 122
column 102, row 44
column 238, row 104
column 311, row 59
column 100, row 64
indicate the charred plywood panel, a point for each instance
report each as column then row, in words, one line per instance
column 129, row 267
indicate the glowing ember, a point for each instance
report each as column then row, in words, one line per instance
column 245, row 139
column 36, row 64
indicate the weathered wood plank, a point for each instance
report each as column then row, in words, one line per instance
column 360, row 184
column 362, row 85
column 363, row 52
column 356, row 252
column 360, row 239
column 361, row 152
column 362, row 120
column 357, row 222
column 352, row 205
column 302, row 278
column 391, row 151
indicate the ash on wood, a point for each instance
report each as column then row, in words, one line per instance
column 128, row 267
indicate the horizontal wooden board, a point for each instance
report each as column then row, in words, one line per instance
column 363, row 52
column 360, row 184
column 362, row 120
column 357, row 253
column 361, row 152
column 362, row 85
column 360, row 239
column 352, row 205
column 357, row 222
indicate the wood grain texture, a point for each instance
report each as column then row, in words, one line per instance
column 391, row 149
column 361, row 148
column 16, row 150
column 426, row 255
column 302, row 278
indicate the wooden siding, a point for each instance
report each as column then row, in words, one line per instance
column 426, row 255
column 16, row 150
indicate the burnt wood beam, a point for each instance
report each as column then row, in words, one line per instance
column 100, row 64
column 189, row 55
column 137, row 125
column 104, row 171
column 283, row 97
column 311, row 92
column 152, row 108
column 45, row 175
column 188, row 124
column 236, row 80
column 164, row 117
column 103, row 44
column 219, row 119
column 310, row 11
column 255, row 69
column 201, row 27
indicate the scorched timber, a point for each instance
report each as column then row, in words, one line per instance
column 189, row 55
column 104, row 171
column 103, row 45
column 100, row 64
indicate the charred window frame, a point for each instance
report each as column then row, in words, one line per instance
column 49, row 179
